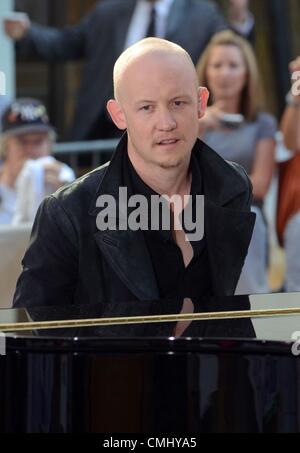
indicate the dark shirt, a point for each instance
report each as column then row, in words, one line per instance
column 173, row 278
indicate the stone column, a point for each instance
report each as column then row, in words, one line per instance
column 7, row 60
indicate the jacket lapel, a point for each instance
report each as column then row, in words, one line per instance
column 228, row 231
column 228, row 235
column 127, row 254
column 125, row 251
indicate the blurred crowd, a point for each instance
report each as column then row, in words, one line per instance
column 236, row 125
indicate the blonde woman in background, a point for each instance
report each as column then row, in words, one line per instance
column 237, row 128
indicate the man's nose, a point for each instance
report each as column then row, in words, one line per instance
column 166, row 120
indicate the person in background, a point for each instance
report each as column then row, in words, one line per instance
column 241, row 19
column 237, row 128
column 101, row 37
column 27, row 173
column 288, row 214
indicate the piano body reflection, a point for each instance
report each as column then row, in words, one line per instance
column 156, row 375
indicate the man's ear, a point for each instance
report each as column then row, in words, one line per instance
column 117, row 114
column 203, row 96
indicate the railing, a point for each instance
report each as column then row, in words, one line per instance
column 96, row 153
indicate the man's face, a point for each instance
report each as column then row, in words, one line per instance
column 159, row 101
column 32, row 146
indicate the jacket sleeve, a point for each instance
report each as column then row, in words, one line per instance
column 50, row 265
column 52, row 44
column 218, row 22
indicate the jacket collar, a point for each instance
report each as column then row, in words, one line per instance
column 221, row 182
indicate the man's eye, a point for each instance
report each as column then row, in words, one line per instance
column 146, row 108
column 178, row 103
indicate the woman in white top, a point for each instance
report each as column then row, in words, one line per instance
column 28, row 173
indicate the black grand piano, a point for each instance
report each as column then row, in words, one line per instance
column 222, row 365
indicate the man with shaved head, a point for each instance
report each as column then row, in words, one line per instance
column 103, row 240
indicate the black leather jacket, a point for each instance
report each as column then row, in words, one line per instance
column 69, row 261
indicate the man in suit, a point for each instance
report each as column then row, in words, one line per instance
column 241, row 20
column 103, row 35
column 86, row 246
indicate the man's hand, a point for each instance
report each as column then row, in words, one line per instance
column 17, row 25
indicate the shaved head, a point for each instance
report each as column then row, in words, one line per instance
column 147, row 48
column 159, row 103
